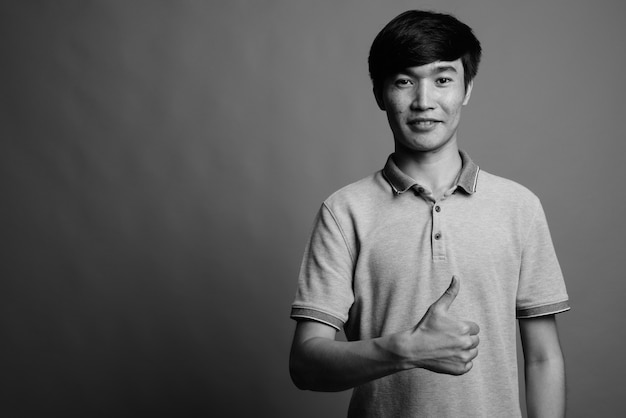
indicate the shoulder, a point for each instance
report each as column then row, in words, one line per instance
column 361, row 193
column 495, row 187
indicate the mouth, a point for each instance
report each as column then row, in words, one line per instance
column 423, row 124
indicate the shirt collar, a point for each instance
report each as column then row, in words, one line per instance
column 400, row 182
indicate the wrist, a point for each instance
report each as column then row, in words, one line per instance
column 399, row 351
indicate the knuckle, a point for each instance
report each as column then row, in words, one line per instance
column 466, row 357
column 469, row 343
column 462, row 368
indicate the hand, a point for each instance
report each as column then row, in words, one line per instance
column 441, row 343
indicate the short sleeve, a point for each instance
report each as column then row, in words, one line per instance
column 324, row 290
column 541, row 289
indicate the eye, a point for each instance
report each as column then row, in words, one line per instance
column 444, row 80
column 403, row 82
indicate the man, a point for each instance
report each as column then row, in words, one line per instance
column 430, row 261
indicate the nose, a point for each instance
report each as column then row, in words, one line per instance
column 423, row 97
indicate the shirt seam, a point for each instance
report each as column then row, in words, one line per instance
column 536, row 311
column 538, row 315
column 296, row 307
column 542, row 304
column 343, row 235
column 313, row 318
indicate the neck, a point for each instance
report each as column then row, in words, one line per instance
column 435, row 170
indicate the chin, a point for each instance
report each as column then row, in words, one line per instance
column 422, row 146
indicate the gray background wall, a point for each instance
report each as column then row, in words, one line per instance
column 161, row 163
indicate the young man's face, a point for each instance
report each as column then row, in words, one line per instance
column 423, row 105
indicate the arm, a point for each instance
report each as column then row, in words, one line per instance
column 544, row 366
column 438, row 343
column 318, row 362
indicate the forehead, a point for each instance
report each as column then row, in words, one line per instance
column 435, row 68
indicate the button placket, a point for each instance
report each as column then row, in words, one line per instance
column 439, row 250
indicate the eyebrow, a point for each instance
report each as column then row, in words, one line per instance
column 444, row 68
column 438, row 69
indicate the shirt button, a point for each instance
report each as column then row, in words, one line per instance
column 438, row 235
column 437, row 208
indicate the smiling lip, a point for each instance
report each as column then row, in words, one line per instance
column 423, row 124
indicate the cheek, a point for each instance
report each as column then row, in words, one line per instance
column 396, row 103
column 395, row 112
column 393, row 105
column 454, row 106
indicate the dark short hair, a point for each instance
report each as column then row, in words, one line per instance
column 416, row 38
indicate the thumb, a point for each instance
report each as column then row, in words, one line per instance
column 449, row 295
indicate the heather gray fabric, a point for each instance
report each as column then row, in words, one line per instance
column 382, row 251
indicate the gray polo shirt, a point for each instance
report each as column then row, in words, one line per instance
column 382, row 251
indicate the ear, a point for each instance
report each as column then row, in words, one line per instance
column 379, row 99
column 468, row 92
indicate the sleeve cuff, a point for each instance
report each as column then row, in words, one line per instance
column 299, row 313
column 553, row 308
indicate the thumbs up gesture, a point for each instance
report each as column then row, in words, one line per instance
column 441, row 343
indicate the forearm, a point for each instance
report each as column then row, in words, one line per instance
column 545, row 388
column 327, row 365
column 544, row 366
column 438, row 343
